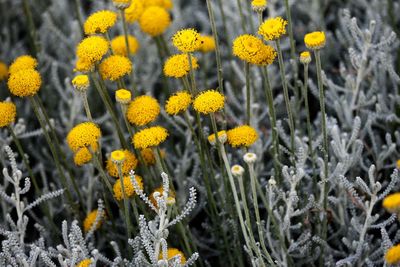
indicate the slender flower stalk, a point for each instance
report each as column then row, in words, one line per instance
column 290, row 26
column 31, row 28
column 125, row 200
column 248, row 92
column 86, row 105
column 192, row 78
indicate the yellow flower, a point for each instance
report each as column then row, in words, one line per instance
column 81, row 82
column 392, row 256
column 209, row 101
column 22, row 63
column 84, row 263
column 118, row 45
column 273, row 28
column 207, row 43
column 315, row 40
column 167, row 4
column 85, row 134
column 178, row 66
column 150, row 137
column 100, row 22
column 83, row 65
column 154, row 21
column 259, row 5
column 117, row 156
column 91, row 219
column 148, row 156
column 178, row 102
column 170, row 197
column 128, row 187
column 91, row 49
column 305, row 57
column 25, row 82
column 130, row 163
column 83, row 156
column 173, row 252
column 121, row 4
column 252, row 50
column 398, row 164
column 187, row 40
column 242, row 136
column 392, row 202
column 134, row 11
column 3, row 71
column 222, row 137
column 123, row 96
column 115, row 67
column 8, row 111
column 143, row 110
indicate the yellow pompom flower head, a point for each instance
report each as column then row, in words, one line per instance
column 117, row 156
column 3, row 71
column 118, row 45
column 178, row 66
column 242, row 136
column 129, row 163
column 398, row 164
column 150, row 137
column 84, row 263
column 93, row 220
column 392, row 203
column 134, row 11
column 83, row 156
column 22, row 63
column 100, row 22
column 222, row 137
column 8, row 112
column 121, row 4
column 81, row 83
column 252, row 50
column 187, row 40
column 178, row 103
column 315, row 40
column 129, row 189
column 392, row 256
column 209, row 101
column 273, row 28
column 143, row 110
column 207, row 43
column 173, row 253
column 24, row 83
column 305, row 57
column 85, row 134
column 154, row 21
column 115, row 67
column 148, row 156
column 259, row 5
column 91, row 50
column 123, row 96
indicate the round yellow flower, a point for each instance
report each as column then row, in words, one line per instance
column 83, row 135
column 25, row 82
column 3, row 71
column 242, row 136
column 398, row 164
column 315, row 40
column 100, row 22
column 170, row 198
column 128, row 187
column 392, row 202
column 84, row 263
column 8, row 111
column 209, row 101
column 252, row 50
column 123, row 96
column 207, row 43
column 154, row 21
column 130, row 163
column 91, row 50
column 187, row 40
column 273, row 28
column 117, row 156
column 121, row 4
column 22, row 63
column 178, row 66
column 143, row 110
column 178, row 102
column 150, row 137
column 392, row 256
column 173, row 252
column 83, row 65
column 259, row 5
column 83, row 156
column 305, row 57
column 222, row 137
column 115, row 67
column 118, row 45
column 81, row 82
column 134, row 11
column 90, row 220
column 148, row 156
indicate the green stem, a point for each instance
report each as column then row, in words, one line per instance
column 192, row 78
column 290, row 26
column 248, row 92
column 125, row 200
column 79, row 16
column 86, row 106
column 242, row 19
column 31, row 27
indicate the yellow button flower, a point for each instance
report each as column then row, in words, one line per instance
column 207, row 44
column 117, row 156
column 392, row 256
column 315, row 40
column 115, row 67
column 134, row 11
column 178, row 102
column 259, row 5
column 83, row 65
column 242, row 136
column 3, row 71
column 84, row 263
column 92, row 49
column 22, row 63
column 81, row 82
column 121, row 4
column 24, row 83
column 99, row 22
column 118, row 45
column 123, row 96
column 8, row 112
column 83, row 156
column 150, row 137
column 85, row 134
column 148, row 156
column 209, row 101
column 178, row 66
column 305, row 57
column 222, row 137
column 173, row 252
column 128, row 187
column 273, row 28
column 91, row 219
column 130, row 163
column 253, row 50
column 143, row 110
column 392, row 202
column 154, row 21
column 187, row 40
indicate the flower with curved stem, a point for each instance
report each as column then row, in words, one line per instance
column 129, row 163
column 178, row 66
column 150, row 137
column 178, row 103
column 22, row 63
column 128, row 187
column 24, row 82
column 100, row 22
column 315, row 40
column 242, row 136
column 187, row 40
column 118, row 45
column 8, row 112
column 154, row 21
column 115, row 67
column 273, row 28
column 209, row 101
column 143, row 110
